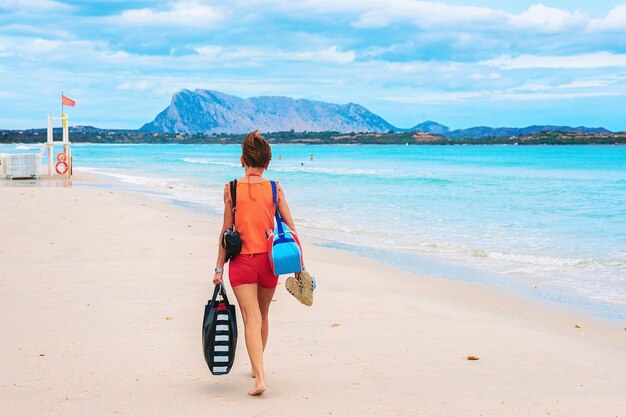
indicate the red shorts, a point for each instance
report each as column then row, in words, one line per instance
column 252, row 269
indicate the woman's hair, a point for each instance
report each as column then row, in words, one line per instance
column 256, row 151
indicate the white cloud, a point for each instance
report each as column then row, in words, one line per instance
column 46, row 50
column 573, row 85
column 424, row 14
column 78, row 53
column 33, row 5
column 376, row 51
column 84, row 55
column 35, row 30
column 412, row 67
column 331, row 54
column 372, row 14
column 209, row 51
column 548, row 19
column 380, row 13
column 373, row 20
column 550, row 96
column 523, row 92
column 594, row 60
column 184, row 13
column 135, row 85
column 586, row 84
column 614, row 21
column 434, row 97
column 490, row 76
column 538, row 18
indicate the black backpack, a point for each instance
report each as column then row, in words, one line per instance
column 231, row 241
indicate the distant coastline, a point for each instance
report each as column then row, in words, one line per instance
column 214, row 112
column 104, row 136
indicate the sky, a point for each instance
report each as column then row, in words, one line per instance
column 461, row 63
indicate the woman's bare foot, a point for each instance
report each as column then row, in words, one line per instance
column 259, row 388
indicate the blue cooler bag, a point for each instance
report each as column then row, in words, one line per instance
column 283, row 247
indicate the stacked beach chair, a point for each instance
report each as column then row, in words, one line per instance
column 24, row 165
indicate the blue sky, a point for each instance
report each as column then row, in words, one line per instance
column 462, row 63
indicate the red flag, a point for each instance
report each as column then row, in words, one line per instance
column 67, row 101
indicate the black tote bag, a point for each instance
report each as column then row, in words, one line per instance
column 219, row 333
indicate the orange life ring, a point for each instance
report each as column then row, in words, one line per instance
column 61, row 171
column 61, row 157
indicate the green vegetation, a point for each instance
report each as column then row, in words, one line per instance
column 92, row 135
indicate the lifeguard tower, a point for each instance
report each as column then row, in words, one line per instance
column 63, row 164
column 28, row 165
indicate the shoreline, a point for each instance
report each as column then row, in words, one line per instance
column 422, row 264
column 418, row 263
column 340, row 144
column 92, row 274
column 534, row 292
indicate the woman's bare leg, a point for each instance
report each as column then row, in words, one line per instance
column 249, row 304
column 264, row 296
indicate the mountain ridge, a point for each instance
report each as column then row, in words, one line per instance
column 215, row 112
column 209, row 111
column 485, row 132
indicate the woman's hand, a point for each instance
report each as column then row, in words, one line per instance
column 218, row 278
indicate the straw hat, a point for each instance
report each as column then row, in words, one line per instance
column 301, row 287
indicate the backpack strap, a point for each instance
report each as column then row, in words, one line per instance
column 233, row 197
column 233, row 194
column 279, row 220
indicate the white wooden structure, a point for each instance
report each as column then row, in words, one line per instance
column 28, row 165
column 65, row 142
column 21, row 165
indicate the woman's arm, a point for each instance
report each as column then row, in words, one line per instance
column 283, row 209
column 226, row 224
column 285, row 213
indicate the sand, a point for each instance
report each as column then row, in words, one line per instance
column 88, row 277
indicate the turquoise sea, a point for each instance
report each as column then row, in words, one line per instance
column 547, row 220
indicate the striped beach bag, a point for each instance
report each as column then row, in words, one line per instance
column 219, row 333
column 283, row 246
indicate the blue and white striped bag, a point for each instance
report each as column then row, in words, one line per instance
column 219, row 333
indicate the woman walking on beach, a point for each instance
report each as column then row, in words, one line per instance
column 250, row 272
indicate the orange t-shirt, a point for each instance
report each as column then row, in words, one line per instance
column 254, row 215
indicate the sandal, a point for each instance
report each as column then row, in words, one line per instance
column 301, row 286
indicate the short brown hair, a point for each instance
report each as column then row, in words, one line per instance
column 256, row 151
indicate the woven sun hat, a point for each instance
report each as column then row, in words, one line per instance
column 301, row 287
